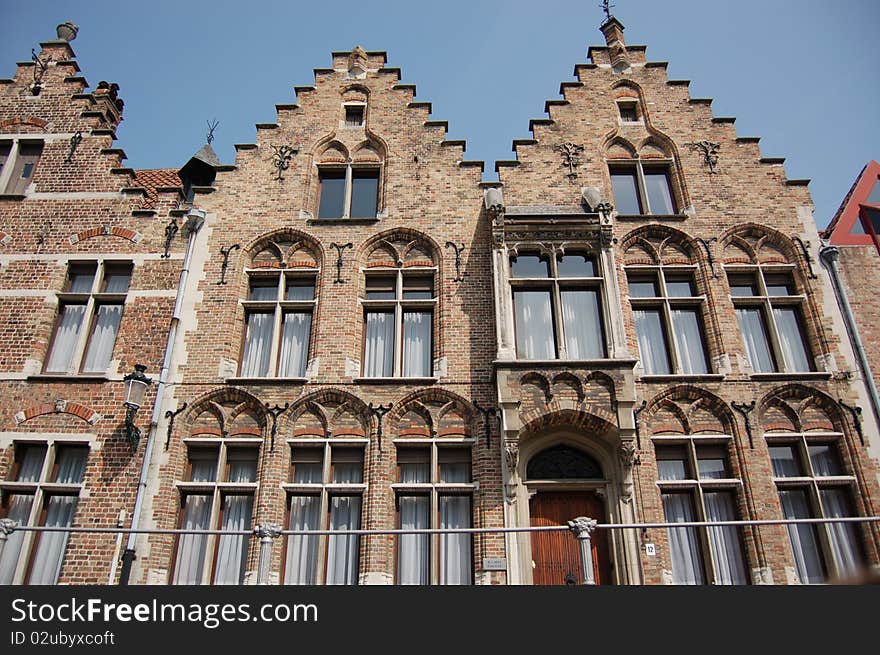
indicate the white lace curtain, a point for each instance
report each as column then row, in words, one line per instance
column 51, row 545
column 412, row 556
column 689, row 337
column 416, row 344
column 379, row 348
column 843, row 537
column 534, row 325
column 191, row 547
column 295, row 344
column 583, row 324
column 302, row 550
column 258, row 345
column 803, row 537
column 652, row 343
column 724, row 539
column 455, row 549
column 342, row 550
column 66, row 336
column 751, row 324
column 790, row 339
column 684, row 547
column 100, row 349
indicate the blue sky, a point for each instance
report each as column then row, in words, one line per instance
column 802, row 74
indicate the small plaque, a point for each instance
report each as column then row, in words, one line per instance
column 650, row 550
column 494, row 563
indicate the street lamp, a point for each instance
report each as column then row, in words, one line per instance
column 136, row 384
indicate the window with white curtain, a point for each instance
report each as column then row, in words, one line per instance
column 557, row 306
column 668, row 315
column 325, row 492
column 217, row 493
column 278, row 324
column 434, row 490
column 399, row 307
column 43, row 489
column 697, row 484
column 89, row 313
column 769, row 310
column 812, row 483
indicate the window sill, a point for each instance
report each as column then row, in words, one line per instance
column 684, row 377
column 794, row 375
column 342, row 221
column 576, row 363
column 67, row 377
column 265, row 380
column 12, row 196
column 652, row 217
column 400, row 380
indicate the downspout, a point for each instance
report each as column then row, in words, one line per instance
column 829, row 256
column 194, row 221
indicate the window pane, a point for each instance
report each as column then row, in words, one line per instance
column 412, row 554
column 203, row 465
column 455, row 465
column 308, row 465
column 659, row 192
column 534, row 325
column 626, row 196
column 103, row 339
column 791, row 339
column 342, row 550
column 300, row 289
column 30, row 460
column 382, row 287
column 455, row 549
column 874, row 196
column 414, row 466
column 751, row 323
column 116, row 278
column 417, row 354
column 642, row 287
column 785, row 462
column 689, row 338
column 684, row 547
column 354, row 115
column 529, row 266
column 679, row 287
column 825, row 460
column 843, row 537
column 294, row 354
column 730, row 567
column 66, row 335
column 242, row 465
column 81, row 278
column 264, row 288
column 742, row 285
column 258, row 344
column 628, row 112
column 17, row 508
column 364, row 194
column 712, row 462
column 379, row 347
column 51, row 545
column 302, row 550
column 803, row 537
column 652, row 341
column 191, row 547
column 418, row 287
column 672, row 463
column 582, row 322
column 348, row 466
column 779, row 285
column 332, row 194
column 575, row 266
column 232, row 549
column 71, row 464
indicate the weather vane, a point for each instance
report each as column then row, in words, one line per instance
column 211, row 127
column 607, row 7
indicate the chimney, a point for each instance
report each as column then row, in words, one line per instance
column 613, row 31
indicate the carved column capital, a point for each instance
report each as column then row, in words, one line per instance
column 268, row 530
column 7, row 526
column 582, row 526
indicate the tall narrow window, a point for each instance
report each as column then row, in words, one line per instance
column 217, row 493
column 19, row 163
column 696, row 484
column 557, row 307
column 769, row 312
column 434, row 490
column 43, row 489
column 278, row 324
column 399, row 306
column 668, row 317
column 325, row 492
column 812, row 483
column 89, row 315
column 640, row 187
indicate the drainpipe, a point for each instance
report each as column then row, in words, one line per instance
column 195, row 218
column 829, row 256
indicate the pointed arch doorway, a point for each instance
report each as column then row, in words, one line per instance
column 565, row 483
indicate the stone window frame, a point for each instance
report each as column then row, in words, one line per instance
column 15, row 161
column 216, row 490
column 629, row 103
column 92, row 300
column 43, row 489
column 326, row 489
column 434, row 490
column 696, row 486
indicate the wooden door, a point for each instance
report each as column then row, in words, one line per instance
column 556, row 555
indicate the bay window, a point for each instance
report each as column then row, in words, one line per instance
column 557, row 307
column 812, row 483
column 399, row 307
column 278, row 324
column 325, row 492
column 43, row 489
column 696, row 484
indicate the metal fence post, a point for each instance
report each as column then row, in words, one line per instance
column 583, row 528
column 267, row 533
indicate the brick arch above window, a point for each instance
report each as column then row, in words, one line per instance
column 399, row 247
column 800, row 408
column 439, row 411
column 106, row 231
column 758, row 243
column 661, row 244
column 694, row 410
column 223, row 409
column 59, row 406
column 284, row 248
column 327, row 413
column 587, row 418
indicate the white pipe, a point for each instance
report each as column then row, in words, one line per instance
column 114, row 564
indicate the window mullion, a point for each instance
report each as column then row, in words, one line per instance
column 275, row 347
column 346, row 203
column 6, row 175
column 210, row 542
column 556, row 306
column 775, row 343
column 85, row 330
column 672, row 337
column 641, row 188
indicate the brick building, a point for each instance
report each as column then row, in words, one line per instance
column 348, row 329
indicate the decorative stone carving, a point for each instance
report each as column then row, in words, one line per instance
column 710, row 153
column 281, row 157
column 268, row 530
column 582, row 525
column 627, row 454
column 357, row 62
column 571, row 157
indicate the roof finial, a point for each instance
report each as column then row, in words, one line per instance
column 211, row 127
column 607, row 7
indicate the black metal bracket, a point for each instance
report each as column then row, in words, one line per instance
column 709, row 255
column 132, row 432
column 487, row 412
column 710, row 153
column 75, row 140
column 275, row 412
column 170, row 231
column 636, row 413
column 458, row 250
column 856, row 413
column 571, row 158
column 171, row 415
column 807, row 256
column 379, row 412
column 40, row 67
column 281, row 159
column 225, row 252
column 745, row 410
column 339, row 251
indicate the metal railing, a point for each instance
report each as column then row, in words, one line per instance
column 582, row 527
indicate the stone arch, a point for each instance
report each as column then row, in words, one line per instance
column 588, row 419
column 285, row 247
column 332, row 152
column 567, row 384
column 695, row 409
column 618, row 147
column 400, row 241
column 806, row 408
column 59, row 406
column 541, row 386
column 336, row 412
column 369, row 151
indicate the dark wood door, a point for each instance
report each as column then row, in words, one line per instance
column 556, row 554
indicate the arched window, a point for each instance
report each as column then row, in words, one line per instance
column 563, row 462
